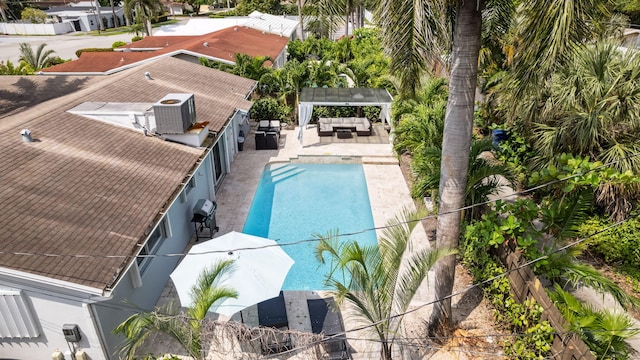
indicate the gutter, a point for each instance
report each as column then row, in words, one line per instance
column 51, row 282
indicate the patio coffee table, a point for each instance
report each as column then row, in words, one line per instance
column 344, row 133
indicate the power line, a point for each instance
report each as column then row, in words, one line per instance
column 483, row 282
column 298, row 242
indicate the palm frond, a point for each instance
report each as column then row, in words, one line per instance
column 581, row 274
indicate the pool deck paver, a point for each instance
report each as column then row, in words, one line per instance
column 388, row 194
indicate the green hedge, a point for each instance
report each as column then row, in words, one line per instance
column 620, row 247
column 117, row 44
column 80, row 51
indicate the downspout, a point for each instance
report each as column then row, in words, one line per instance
column 96, row 325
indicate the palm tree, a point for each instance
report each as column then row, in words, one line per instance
column 251, row 67
column 421, row 119
column 300, row 19
column 484, row 179
column 100, row 22
column 592, row 108
column 145, row 8
column 38, row 60
column 413, row 30
column 3, row 7
column 116, row 21
column 604, row 331
column 381, row 283
column 186, row 330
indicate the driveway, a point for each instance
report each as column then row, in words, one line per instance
column 65, row 45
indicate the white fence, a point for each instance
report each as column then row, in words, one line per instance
column 36, row 29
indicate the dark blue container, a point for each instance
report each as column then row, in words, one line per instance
column 499, row 136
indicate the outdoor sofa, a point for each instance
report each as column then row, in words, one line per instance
column 327, row 126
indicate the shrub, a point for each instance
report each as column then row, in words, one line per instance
column 80, row 51
column 333, row 111
column 136, row 38
column 36, row 16
column 536, row 336
column 372, row 113
column 621, row 246
column 268, row 108
column 117, row 44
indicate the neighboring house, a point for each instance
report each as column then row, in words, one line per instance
column 84, row 16
column 219, row 46
column 109, row 179
column 62, row 19
column 271, row 24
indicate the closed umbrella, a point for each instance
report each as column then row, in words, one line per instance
column 259, row 269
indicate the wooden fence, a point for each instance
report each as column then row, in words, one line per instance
column 525, row 285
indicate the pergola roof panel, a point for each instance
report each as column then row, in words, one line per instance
column 345, row 96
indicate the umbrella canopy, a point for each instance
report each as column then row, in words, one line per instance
column 257, row 273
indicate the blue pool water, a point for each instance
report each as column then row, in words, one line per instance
column 295, row 201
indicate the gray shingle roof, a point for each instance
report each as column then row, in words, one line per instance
column 87, row 187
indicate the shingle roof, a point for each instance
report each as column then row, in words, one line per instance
column 18, row 93
column 223, row 45
column 87, row 187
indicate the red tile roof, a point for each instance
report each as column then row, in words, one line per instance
column 100, row 62
column 222, row 45
column 90, row 188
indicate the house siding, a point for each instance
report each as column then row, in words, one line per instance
column 50, row 310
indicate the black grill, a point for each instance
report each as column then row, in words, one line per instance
column 204, row 215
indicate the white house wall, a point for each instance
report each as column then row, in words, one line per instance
column 35, row 29
column 52, row 311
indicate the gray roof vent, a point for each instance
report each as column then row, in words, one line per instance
column 26, row 135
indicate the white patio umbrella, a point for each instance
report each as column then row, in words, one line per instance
column 259, row 270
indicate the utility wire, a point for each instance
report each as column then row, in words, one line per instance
column 358, row 232
column 481, row 283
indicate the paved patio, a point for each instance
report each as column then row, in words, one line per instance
column 388, row 194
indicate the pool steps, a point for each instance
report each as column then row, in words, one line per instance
column 284, row 172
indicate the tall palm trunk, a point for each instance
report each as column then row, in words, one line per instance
column 116, row 21
column 100, row 23
column 455, row 151
column 300, row 20
column 346, row 19
column 2, row 12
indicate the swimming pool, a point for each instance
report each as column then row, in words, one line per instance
column 294, row 201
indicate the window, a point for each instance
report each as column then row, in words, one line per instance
column 16, row 319
column 151, row 247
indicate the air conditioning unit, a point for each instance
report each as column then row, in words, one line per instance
column 175, row 113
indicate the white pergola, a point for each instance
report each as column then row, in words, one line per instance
column 309, row 97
